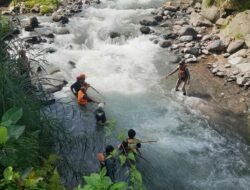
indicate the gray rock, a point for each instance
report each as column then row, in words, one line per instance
column 166, row 13
column 221, row 22
column 220, row 74
column 197, row 5
column 235, row 46
column 165, row 43
column 169, row 35
column 50, row 50
column 191, row 60
column 145, row 22
column 197, row 20
column 190, row 10
column 215, row 70
column 227, row 66
column 170, row 8
column 187, row 56
column 72, row 64
column 211, row 13
column 241, row 53
column 145, row 30
column 181, row 22
column 188, row 31
column 56, row 17
column 33, row 40
column 235, row 60
column 64, row 20
column 54, row 82
column 193, row 51
column 186, row 38
column 241, row 80
column 216, row 46
column 205, row 51
column 226, row 55
column 166, row 24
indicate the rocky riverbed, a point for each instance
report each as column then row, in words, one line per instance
column 219, row 63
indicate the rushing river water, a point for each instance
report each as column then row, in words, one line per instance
column 190, row 153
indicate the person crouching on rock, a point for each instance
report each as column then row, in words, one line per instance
column 83, row 98
column 107, row 160
column 80, row 81
column 100, row 115
column 183, row 76
column 131, row 144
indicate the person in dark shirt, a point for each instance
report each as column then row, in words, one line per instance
column 108, row 161
column 80, row 81
column 100, row 115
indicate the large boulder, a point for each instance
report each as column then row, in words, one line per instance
column 239, row 27
column 211, row 13
column 235, row 46
column 198, row 20
column 56, row 17
column 188, row 31
column 216, row 46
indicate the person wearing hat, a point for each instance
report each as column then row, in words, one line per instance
column 80, row 81
column 100, row 115
column 83, row 98
column 183, row 76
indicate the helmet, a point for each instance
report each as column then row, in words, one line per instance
column 81, row 77
column 101, row 105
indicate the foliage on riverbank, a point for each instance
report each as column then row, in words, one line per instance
column 238, row 4
column 46, row 6
column 4, row 26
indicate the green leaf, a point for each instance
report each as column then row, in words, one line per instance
column 13, row 115
column 122, row 159
column 121, row 136
column 103, row 172
column 92, row 180
column 119, row 186
column 8, row 173
column 3, row 135
column 131, row 156
column 15, row 131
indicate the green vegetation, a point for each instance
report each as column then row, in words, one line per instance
column 4, row 26
column 46, row 6
column 237, row 4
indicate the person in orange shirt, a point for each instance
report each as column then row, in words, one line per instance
column 83, row 98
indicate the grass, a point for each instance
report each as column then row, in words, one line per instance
column 4, row 26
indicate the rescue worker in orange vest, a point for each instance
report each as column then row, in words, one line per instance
column 108, row 161
column 80, row 81
column 83, row 98
column 131, row 144
column 183, row 76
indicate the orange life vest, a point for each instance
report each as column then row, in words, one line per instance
column 101, row 157
column 81, row 98
column 182, row 72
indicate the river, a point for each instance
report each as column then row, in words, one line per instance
column 191, row 151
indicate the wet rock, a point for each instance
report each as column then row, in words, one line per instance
column 114, row 35
column 244, row 67
column 190, row 10
column 47, row 32
column 175, row 59
column 241, row 80
column 169, row 7
column 216, row 46
column 56, row 17
column 61, row 30
column 220, row 74
column 166, row 24
column 64, row 20
column 226, row 55
column 36, row 9
column 53, row 83
column 188, row 31
column 197, row 5
column 215, row 70
column 34, row 40
column 241, row 53
column 145, row 30
column 235, row 46
column 165, row 44
column 181, row 22
column 227, row 66
column 158, row 18
column 191, row 60
column 186, row 38
column 28, row 28
column 145, row 22
column 34, row 22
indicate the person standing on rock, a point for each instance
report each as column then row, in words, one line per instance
column 183, row 76
column 80, row 81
